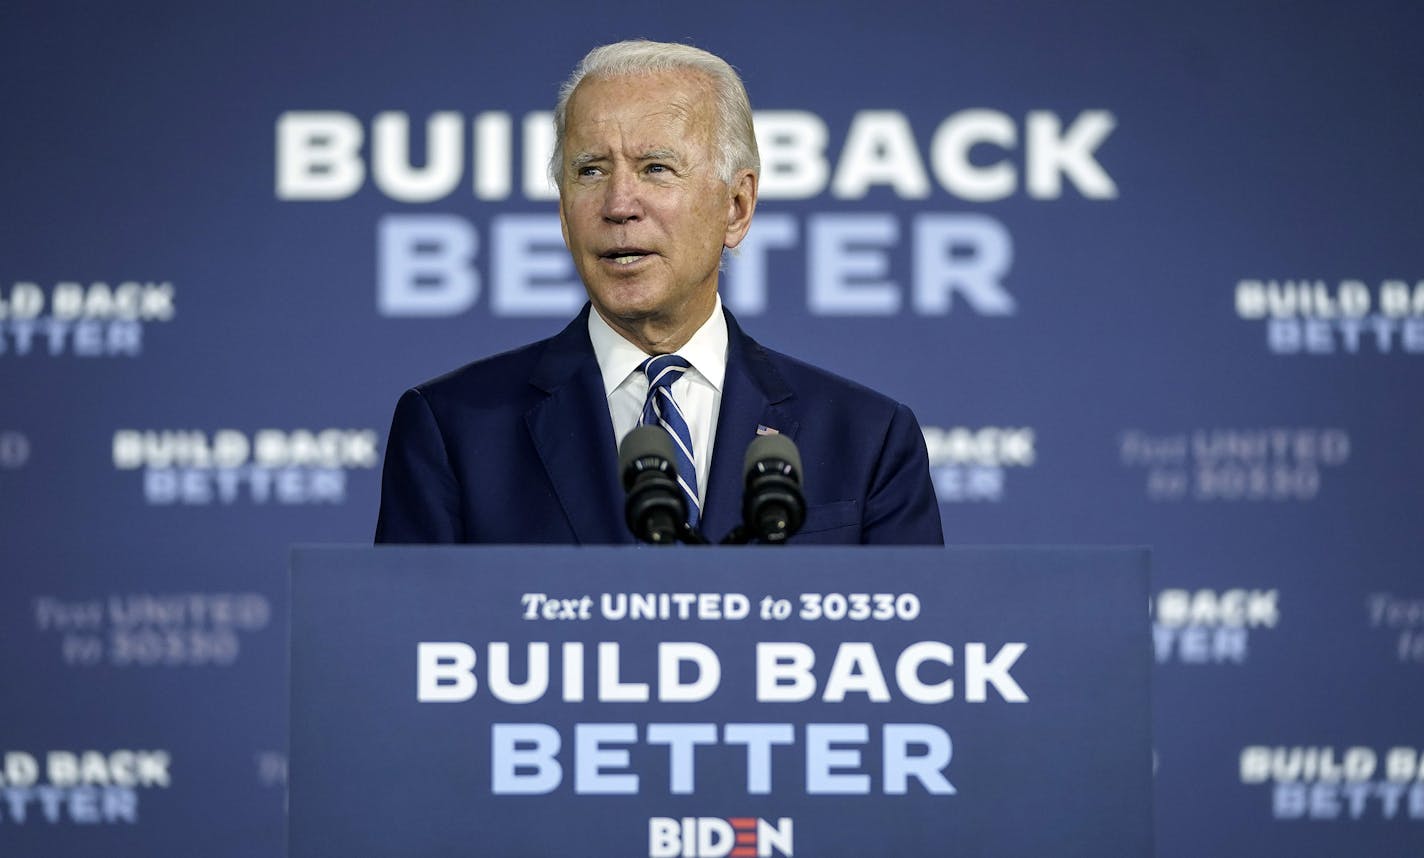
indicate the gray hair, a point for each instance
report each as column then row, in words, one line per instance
column 734, row 137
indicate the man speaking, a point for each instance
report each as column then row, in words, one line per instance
column 656, row 165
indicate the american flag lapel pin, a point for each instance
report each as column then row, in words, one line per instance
column 766, row 430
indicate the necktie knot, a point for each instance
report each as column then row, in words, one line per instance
column 663, row 370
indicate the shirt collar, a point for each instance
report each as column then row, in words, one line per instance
column 618, row 358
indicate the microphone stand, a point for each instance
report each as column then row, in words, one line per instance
column 739, row 536
column 689, row 535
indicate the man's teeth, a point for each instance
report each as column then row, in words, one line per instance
column 625, row 260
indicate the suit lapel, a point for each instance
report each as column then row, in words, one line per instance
column 753, row 393
column 573, row 433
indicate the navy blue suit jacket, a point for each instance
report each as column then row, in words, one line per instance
column 518, row 448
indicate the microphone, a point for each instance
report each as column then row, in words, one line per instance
column 656, row 509
column 772, row 505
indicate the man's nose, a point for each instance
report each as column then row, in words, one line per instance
column 621, row 201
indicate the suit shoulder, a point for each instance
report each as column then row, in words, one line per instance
column 489, row 379
column 807, row 379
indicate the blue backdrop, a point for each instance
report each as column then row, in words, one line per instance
column 1147, row 275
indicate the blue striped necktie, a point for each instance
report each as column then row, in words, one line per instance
column 661, row 409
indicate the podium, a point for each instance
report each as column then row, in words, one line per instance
column 521, row 701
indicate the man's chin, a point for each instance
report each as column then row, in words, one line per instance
column 627, row 312
column 630, row 301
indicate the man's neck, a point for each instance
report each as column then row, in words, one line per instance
column 660, row 336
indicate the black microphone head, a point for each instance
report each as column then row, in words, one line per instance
column 773, row 506
column 655, row 508
column 766, row 451
column 645, row 448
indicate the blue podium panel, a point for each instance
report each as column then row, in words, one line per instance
column 753, row 702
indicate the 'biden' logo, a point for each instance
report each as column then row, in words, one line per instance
column 714, row 837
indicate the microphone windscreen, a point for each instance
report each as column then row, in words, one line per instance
column 642, row 442
column 771, row 447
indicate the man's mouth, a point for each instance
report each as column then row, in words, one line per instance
column 624, row 255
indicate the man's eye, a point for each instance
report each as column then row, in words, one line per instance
column 658, row 168
column 588, row 171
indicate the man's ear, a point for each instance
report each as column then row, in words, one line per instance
column 740, row 206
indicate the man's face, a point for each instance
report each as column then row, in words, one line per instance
column 644, row 213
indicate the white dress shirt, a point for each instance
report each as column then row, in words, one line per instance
column 698, row 392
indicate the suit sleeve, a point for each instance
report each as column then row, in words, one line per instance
column 901, row 508
column 420, row 497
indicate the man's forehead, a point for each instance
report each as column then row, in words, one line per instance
column 673, row 96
